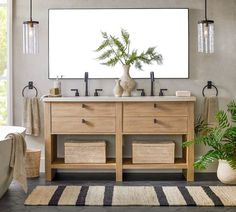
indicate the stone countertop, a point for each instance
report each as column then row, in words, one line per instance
column 120, row 99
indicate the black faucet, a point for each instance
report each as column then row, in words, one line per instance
column 152, row 82
column 86, row 83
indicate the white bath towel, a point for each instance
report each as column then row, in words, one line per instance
column 31, row 116
column 17, row 161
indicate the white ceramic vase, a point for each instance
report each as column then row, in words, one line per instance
column 127, row 83
column 225, row 173
column 118, row 90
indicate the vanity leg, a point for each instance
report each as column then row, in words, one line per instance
column 189, row 173
column 50, row 144
column 119, row 143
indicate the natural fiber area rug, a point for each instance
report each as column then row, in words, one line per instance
column 133, row 196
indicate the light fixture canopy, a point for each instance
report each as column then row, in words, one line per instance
column 30, row 35
column 206, row 34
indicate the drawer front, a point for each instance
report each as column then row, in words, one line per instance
column 83, row 109
column 156, row 109
column 154, row 125
column 75, row 125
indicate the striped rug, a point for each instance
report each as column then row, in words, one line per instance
column 133, row 196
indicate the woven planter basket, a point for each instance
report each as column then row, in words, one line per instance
column 32, row 162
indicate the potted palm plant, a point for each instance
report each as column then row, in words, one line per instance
column 222, row 140
column 116, row 50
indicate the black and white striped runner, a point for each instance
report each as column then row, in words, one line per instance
column 133, row 195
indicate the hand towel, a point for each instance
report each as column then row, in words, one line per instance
column 211, row 107
column 31, row 116
column 17, row 161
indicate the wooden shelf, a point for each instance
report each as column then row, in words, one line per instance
column 59, row 163
column 179, row 164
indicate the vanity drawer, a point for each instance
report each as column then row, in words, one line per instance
column 83, row 109
column 156, row 109
column 168, row 124
column 75, row 125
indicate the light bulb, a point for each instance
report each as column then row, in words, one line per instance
column 206, row 30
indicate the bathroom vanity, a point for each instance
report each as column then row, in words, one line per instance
column 167, row 115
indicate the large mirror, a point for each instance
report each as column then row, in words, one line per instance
column 74, row 34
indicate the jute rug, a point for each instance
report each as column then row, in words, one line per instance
column 133, row 196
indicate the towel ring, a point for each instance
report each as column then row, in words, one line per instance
column 209, row 86
column 30, row 86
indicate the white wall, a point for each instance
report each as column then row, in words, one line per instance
column 219, row 67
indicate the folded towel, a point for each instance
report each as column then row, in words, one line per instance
column 211, row 107
column 31, row 117
column 17, row 161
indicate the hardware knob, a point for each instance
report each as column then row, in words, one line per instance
column 83, row 121
column 83, row 105
column 155, row 105
column 155, row 121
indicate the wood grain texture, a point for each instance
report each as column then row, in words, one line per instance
column 189, row 172
column 119, row 141
column 179, row 164
column 164, row 124
column 156, row 109
column 75, row 109
column 59, row 163
column 83, row 124
column 49, row 150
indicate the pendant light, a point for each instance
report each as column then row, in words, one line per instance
column 206, row 34
column 30, row 35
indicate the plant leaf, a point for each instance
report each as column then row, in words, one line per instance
column 125, row 36
column 105, row 55
column 104, row 44
column 222, row 119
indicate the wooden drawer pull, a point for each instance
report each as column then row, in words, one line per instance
column 155, row 105
column 83, row 121
column 155, row 121
column 83, row 105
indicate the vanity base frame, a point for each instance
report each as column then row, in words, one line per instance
column 172, row 117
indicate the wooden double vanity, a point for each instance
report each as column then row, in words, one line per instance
column 119, row 117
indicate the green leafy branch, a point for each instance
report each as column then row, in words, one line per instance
column 116, row 50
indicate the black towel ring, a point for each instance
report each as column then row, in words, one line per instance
column 209, row 86
column 30, row 86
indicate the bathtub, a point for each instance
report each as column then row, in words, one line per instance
column 5, row 153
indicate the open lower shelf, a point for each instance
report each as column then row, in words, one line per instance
column 180, row 163
column 59, row 163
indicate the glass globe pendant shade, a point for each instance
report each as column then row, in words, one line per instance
column 206, row 36
column 31, row 37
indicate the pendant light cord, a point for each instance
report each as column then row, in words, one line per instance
column 30, row 10
column 206, row 10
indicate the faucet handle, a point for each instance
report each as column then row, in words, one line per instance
column 152, row 76
column 76, row 91
column 161, row 91
column 96, row 91
column 142, row 92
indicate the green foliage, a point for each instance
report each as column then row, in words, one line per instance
column 221, row 139
column 116, row 50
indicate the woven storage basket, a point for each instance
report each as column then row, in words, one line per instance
column 85, row 152
column 32, row 162
column 153, row 152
